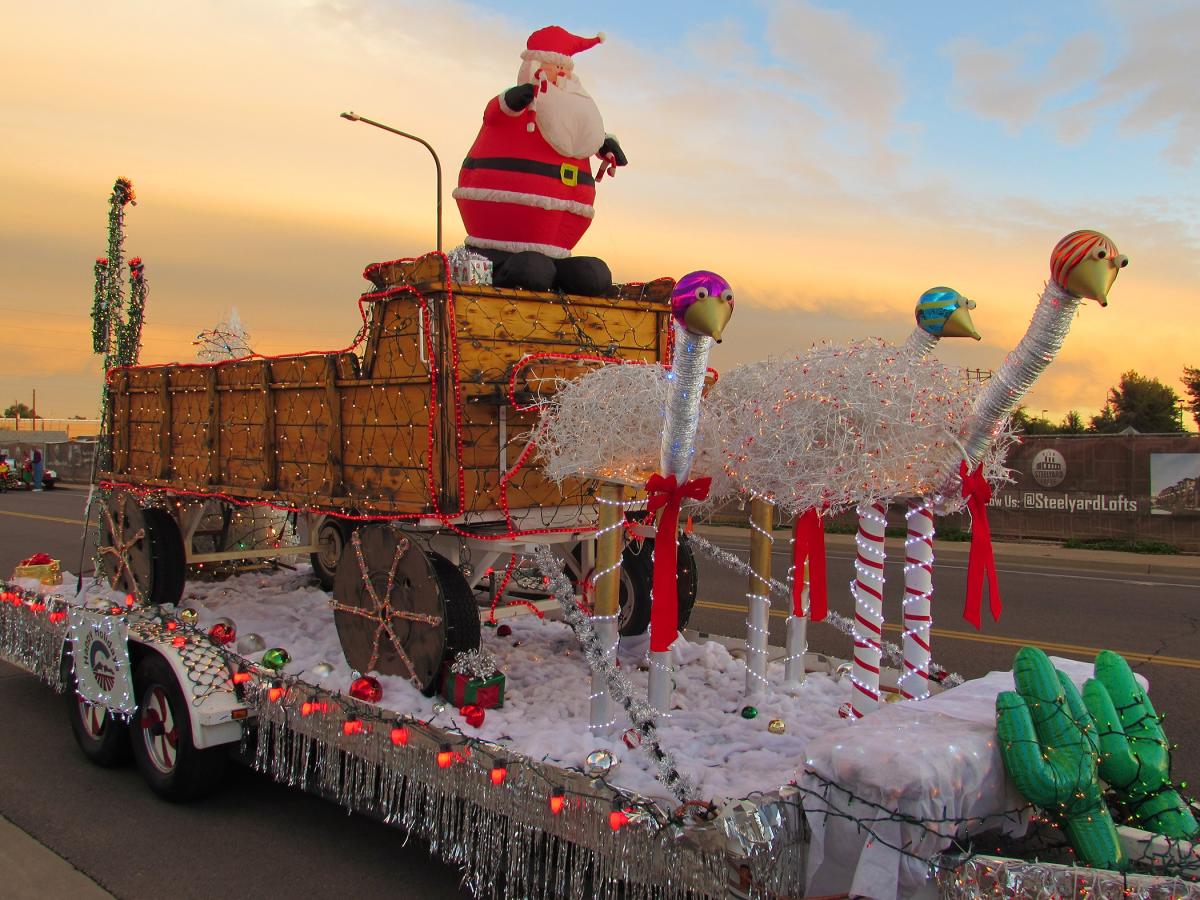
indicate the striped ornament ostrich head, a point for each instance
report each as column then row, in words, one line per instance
column 1085, row 264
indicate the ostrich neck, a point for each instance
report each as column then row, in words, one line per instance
column 1004, row 390
column 919, row 344
column 685, row 386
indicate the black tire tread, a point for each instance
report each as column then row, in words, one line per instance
column 197, row 772
column 168, row 557
column 462, row 613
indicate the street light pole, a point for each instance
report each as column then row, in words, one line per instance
column 355, row 117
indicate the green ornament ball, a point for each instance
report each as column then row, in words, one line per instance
column 749, row 712
column 276, row 658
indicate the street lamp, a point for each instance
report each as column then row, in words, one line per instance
column 355, row 117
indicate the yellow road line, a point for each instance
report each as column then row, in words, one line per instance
column 21, row 515
column 1052, row 646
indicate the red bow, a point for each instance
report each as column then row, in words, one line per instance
column 981, row 565
column 808, row 543
column 38, row 559
column 666, row 494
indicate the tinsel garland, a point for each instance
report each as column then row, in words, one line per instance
column 641, row 714
column 475, row 664
column 33, row 629
column 968, row 878
column 891, row 652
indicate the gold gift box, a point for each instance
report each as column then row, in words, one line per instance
column 49, row 573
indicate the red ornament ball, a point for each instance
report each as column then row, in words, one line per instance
column 503, row 631
column 474, row 715
column 223, row 632
column 367, row 688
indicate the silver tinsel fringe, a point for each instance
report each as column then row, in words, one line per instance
column 505, row 837
column 27, row 636
column 994, row 876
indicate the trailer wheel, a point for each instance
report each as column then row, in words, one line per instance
column 636, row 591
column 162, row 738
column 462, row 613
column 103, row 739
column 141, row 550
column 331, row 538
column 393, row 612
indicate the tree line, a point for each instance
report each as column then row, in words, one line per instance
column 1143, row 404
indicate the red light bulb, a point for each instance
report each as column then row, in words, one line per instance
column 558, row 799
column 445, row 757
column 400, row 736
column 617, row 819
column 499, row 772
column 238, row 677
column 353, row 726
column 275, row 694
column 130, row 600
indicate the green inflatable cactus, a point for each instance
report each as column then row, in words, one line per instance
column 1050, row 749
column 1134, row 757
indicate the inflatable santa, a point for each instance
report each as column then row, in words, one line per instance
column 526, row 188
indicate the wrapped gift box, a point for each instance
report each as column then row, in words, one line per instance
column 463, row 690
column 47, row 573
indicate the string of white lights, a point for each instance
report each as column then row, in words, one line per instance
column 918, row 592
column 867, row 589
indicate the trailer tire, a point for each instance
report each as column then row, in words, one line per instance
column 637, row 586
column 174, row 768
column 331, row 539
column 462, row 613
column 101, row 738
column 169, row 557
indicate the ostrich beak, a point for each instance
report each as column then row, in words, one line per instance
column 960, row 325
column 708, row 316
column 1092, row 279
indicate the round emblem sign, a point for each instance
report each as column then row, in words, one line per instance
column 1049, row 468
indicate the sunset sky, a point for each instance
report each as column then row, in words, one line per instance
column 831, row 160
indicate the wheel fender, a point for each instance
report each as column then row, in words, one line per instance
column 216, row 714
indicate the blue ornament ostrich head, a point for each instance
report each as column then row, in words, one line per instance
column 944, row 312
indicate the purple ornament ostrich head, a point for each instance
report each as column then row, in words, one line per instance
column 702, row 302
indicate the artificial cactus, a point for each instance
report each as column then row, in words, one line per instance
column 1050, row 749
column 1134, row 753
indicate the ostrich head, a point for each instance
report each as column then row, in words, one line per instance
column 702, row 302
column 944, row 312
column 1085, row 264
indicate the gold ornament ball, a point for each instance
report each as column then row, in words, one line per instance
column 776, row 726
column 188, row 616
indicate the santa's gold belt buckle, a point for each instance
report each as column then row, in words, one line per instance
column 569, row 174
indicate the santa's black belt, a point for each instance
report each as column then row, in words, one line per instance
column 568, row 173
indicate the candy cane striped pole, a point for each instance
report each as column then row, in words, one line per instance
column 868, row 607
column 918, row 591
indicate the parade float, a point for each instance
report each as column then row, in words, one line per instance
column 414, row 576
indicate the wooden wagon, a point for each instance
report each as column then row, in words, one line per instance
column 404, row 461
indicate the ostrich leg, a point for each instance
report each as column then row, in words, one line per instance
column 758, row 595
column 918, row 590
column 607, row 585
column 868, row 607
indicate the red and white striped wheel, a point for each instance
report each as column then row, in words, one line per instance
column 159, row 733
column 93, row 718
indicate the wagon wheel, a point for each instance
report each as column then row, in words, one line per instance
column 126, row 557
column 389, row 607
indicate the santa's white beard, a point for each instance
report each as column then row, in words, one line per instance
column 569, row 119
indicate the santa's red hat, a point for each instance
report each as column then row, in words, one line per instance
column 557, row 45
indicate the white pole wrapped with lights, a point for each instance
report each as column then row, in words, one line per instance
column 917, row 610
column 701, row 305
column 606, row 604
column 758, row 595
column 867, row 589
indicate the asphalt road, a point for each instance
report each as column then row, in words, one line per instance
column 259, row 838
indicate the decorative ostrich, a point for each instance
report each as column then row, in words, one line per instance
column 701, row 305
column 798, row 432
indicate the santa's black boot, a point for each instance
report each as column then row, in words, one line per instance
column 528, row 269
column 583, row 275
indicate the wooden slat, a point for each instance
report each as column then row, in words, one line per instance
column 333, row 402
column 268, row 449
column 164, row 463
column 213, row 441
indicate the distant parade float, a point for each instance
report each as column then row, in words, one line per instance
column 511, row 435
